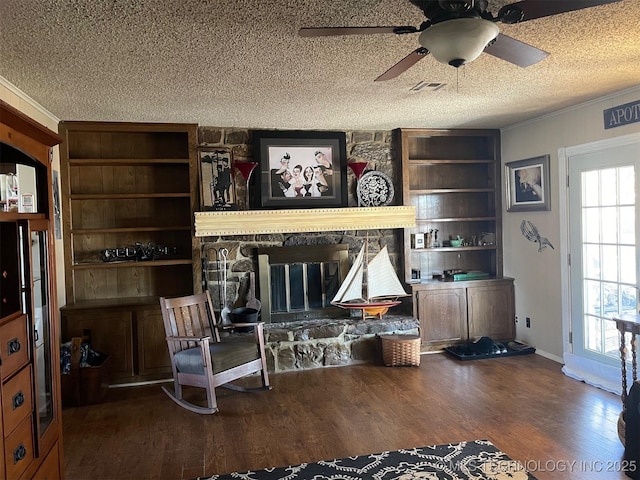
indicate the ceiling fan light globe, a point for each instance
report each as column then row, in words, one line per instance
column 458, row 41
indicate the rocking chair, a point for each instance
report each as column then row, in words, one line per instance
column 199, row 358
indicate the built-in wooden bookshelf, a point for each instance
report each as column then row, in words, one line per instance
column 452, row 178
column 128, row 189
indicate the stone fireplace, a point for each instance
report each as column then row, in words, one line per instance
column 297, row 336
column 303, row 329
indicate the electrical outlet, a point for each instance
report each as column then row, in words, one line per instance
column 528, row 322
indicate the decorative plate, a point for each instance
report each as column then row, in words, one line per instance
column 375, row 189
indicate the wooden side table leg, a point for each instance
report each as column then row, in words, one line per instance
column 623, row 358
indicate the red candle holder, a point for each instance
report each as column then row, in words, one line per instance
column 358, row 168
column 245, row 169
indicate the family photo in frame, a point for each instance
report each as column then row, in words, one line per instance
column 300, row 169
column 527, row 183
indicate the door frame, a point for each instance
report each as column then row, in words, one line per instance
column 564, row 153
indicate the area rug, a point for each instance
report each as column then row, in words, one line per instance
column 477, row 460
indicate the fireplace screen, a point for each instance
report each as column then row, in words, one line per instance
column 298, row 283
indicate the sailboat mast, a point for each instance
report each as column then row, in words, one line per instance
column 365, row 290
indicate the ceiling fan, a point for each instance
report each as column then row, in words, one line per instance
column 458, row 31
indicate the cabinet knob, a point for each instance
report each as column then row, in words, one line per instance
column 14, row 346
column 4, row 274
column 18, row 400
column 19, row 453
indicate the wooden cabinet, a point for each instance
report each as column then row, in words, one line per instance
column 452, row 178
column 129, row 192
column 452, row 312
column 30, row 406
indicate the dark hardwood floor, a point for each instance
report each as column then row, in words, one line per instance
column 524, row 405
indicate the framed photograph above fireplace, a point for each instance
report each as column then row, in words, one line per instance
column 299, row 169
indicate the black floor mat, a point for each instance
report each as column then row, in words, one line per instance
column 487, row 348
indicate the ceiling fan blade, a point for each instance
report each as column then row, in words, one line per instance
column 532, row 9
column 332, row 31
column 404, row 64
column 515, row 51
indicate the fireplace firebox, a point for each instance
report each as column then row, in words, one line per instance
column 298, row 282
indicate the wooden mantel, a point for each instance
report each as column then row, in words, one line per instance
column 251, row 222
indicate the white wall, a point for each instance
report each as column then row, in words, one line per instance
column 18, row 99
column 537, row 275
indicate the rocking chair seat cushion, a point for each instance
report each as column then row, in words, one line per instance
column 223, row 357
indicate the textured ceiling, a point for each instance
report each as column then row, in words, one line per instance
column 241, row 63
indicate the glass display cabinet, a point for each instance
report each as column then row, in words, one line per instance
column 30, row 413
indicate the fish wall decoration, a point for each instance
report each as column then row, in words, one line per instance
column 530, row 232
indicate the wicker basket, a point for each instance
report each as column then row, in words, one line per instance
column 400, row 350
column 622, row 428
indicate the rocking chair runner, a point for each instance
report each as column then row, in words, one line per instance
column 199, row 358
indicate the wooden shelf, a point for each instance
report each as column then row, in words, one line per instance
column 84, row 162
column 431, row 191
column 85, row 231
column 132, row 264
column 454, row 249
column 456, row 219
column 248, row 222
column 127, row 196
column 429, row 161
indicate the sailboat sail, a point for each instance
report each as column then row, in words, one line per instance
column 382, row 281
column 351, row 288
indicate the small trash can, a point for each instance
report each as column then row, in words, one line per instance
column 86, row 384
column 400, row 350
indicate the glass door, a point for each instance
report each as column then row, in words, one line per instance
column 604, row 250
column 34, row 245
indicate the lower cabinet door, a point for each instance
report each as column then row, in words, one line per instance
column 492, row 311
column 153, row 353
column 443, row 316
column 50, row 467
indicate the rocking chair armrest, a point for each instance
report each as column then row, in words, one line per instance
column 188, row 339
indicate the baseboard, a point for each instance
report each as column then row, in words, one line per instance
column 550, row 356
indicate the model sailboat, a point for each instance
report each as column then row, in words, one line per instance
column 382, row 289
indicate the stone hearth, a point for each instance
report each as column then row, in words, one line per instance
column 311, row 344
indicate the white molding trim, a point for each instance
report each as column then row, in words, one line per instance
column 250, row 222
column 600, row 145
column 574, row 107
column 23, row 96
column 564, row 153
column 550, row 356
column 565, row 279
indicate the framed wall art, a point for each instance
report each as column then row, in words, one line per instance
column 217, row 189
column 299, row 169
column 527, row 185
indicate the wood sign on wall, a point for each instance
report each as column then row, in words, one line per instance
column 622, row 115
